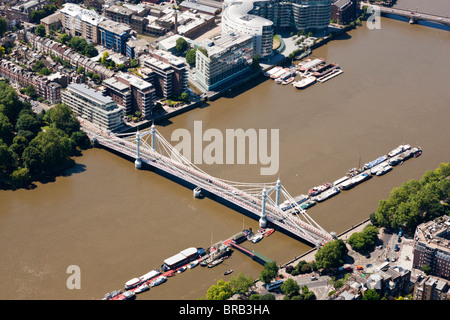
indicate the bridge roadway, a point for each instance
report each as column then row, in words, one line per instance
column 275, row 216
column 413, row 16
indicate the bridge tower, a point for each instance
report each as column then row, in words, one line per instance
column 263, row 219
column 153, row 135
column 138, row 162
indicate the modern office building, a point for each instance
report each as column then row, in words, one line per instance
column 227, row 57
column 131, row 92
column 93, row 106
column 432, row 246
column 260, row 18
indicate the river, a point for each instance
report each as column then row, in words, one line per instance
column 115, row 222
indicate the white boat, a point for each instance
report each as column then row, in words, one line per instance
column 148, row 276
column 272, row 71
column 158, row 281
column 182, row 269
column 133, row 283
column 142, row 288
column 399, row 150
column 383, row 170
column 193, row 264
column 257, row 237
column 128, row 295
column 304, row 82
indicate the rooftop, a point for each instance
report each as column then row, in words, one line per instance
column 90, row 93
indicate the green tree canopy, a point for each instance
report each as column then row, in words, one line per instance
column 241, row 283
column 191, row 56
column 331, row 254
column 40, row 30
column 181, row 45
column 269, row 272
column 222, row 291
column 290, row 287
column 415, row 201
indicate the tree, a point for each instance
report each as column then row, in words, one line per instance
column 5, row 129
column 290, row 287
column 371, row 294
column 269, row 272
column 20, row 177
column 222, row 291
column 64, row 38
column 3, row 26
column 134, row 63
column 90, row 51
column 28, row 121
column 181, row 45
column 331, row 254
column 191, row 56
column 366, row 239
column 241, row 283
column 31, row 91
column 426, row 268
column 40, row 30
column 62, row 117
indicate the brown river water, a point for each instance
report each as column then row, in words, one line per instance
column 115, row 222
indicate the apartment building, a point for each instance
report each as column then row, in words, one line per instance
column 169, row 74
column 102, row 111
column 260, row 18
column 227, row 57
column 45, row 87
column 131, row 92
column 432, row 246
column 113, row 35
column 343, row 11
column 80, row 22
column 431, row 288
column 236, row 19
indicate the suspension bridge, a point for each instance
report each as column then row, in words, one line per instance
column 262, row 200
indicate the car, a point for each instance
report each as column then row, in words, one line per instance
column 358, row 267
column 368, row 255
column 399, row 239
column 348, row 269
column 313, row 278
column 380, row 246
column 393, row 259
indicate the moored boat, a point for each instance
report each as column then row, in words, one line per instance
column 272, row 71
column 308, row 204
column 384, row 170
column 215, row 263
column 325, row 69
column 193, row 264
column 350, row 183
column 317, row 190
column 133, row 283
column 304, row 83
column 158, row 281
column 399, row 150
column 182, row 269
column 142, row 288
column 256, row 237
column 310, row 64
column 375, row 162
column 327, row 194
column 290, row 80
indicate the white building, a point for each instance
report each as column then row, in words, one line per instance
column 93, row 106
column 227, row 57
column 260, row 18
column 236, row 19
